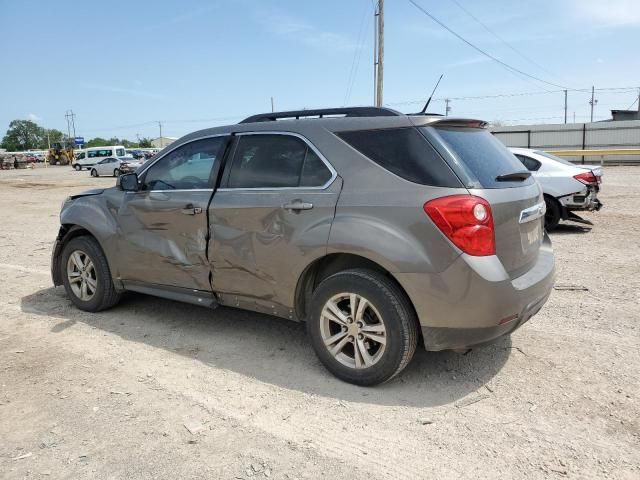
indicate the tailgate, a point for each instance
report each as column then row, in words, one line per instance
column 518, row 216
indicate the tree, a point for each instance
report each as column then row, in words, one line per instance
column 145, row 142
column 97, row 142
column 53, row 136
column 23, row 135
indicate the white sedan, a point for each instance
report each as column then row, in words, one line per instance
column 114, row 166
column 567, row 187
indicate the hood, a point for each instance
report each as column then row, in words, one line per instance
column 87, row 193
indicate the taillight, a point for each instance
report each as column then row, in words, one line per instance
column 588, row 178
column 466, row 220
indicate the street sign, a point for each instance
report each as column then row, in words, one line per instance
column 79, row 140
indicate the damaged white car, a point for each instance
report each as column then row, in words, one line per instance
column 567, row 187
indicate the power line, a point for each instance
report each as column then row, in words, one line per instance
column 357, row 54
column 478, row 49
column 483, row 25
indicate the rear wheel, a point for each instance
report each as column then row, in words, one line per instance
column 94, row 172
column 87, row 278
column 553, row 214
column 362, row 327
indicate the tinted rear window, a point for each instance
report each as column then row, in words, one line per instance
column 405, row 152
column 482, row 155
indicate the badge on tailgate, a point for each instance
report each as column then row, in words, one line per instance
column 532, row 213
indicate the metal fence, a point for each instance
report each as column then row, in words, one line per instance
column 577, row 136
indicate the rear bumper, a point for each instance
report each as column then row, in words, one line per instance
column 475, row 301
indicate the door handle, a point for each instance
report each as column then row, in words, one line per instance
column 191, row 210
column 298, row 205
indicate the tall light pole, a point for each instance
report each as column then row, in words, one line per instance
column 565, row 106
column 379, row 53
column 161, row 139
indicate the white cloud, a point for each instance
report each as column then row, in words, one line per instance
column 33, row 117
column 297, row 29
column 126, row 91
column 609, row 13
column 469, row 61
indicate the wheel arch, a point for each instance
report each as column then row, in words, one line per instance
column 66, row 233
column 326, row 266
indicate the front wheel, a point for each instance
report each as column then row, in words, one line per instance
column 87, row 278
column 94, row 172
column 362, row 327
column 77, row 167
column 116, row 172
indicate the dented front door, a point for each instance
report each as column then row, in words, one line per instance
column 164, row 227
column 164, row 238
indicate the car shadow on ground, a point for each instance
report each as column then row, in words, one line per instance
column 273, row 350
column 569, row 228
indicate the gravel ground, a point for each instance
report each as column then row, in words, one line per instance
column 111, row 395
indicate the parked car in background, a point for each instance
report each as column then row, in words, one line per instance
column 377, row 229
column 567, row 187
column 130, row 164
column 89, row 157
column 114, row 166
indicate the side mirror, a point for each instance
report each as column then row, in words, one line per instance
column 128, row 182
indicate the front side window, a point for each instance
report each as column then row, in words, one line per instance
column 186, row 168
column 276, row 161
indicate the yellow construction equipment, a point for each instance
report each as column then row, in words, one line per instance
column 60, row 153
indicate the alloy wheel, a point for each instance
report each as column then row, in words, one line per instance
column 81, row 274
column 353, row 331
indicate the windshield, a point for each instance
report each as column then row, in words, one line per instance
column 553, row 157
column 483, row 157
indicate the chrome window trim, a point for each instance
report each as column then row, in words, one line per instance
column 326, row 162
column 147, row 167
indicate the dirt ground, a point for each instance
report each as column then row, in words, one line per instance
column 111, row 395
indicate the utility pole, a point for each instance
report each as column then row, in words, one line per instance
column 379, row 53
column 638, row 102
column 565, row 106
column 272, row 109
column 593, row 101
column 66, row 117
column 73, row 122
column 574, row 117
column 161, row 140
column 447, row 108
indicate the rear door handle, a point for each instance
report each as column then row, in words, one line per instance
column 298, row 205
column 191, row 210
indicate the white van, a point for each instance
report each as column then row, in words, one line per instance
column 88, row 157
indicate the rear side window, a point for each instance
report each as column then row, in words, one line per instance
column 276, row 161
column 405, row 152
column 482, row 155
column 531, row 164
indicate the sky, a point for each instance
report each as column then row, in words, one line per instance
column 122, row 66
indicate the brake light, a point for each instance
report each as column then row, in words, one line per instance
column 588, row 178
column 466, row 220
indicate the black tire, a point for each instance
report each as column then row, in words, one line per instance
column 116, row 172
column 397, row 314
column 553, row 215
column 105, row 295
column 94, row 172
column 77, row 167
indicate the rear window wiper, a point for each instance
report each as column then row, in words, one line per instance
column 515, row 176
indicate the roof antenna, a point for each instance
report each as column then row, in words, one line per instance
column 424, row 109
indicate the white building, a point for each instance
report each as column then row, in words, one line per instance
column 162, row 142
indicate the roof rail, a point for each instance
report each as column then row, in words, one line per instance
column 321, row 112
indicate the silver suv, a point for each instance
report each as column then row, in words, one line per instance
column 377, row 229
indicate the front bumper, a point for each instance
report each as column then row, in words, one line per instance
column 475, row 300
